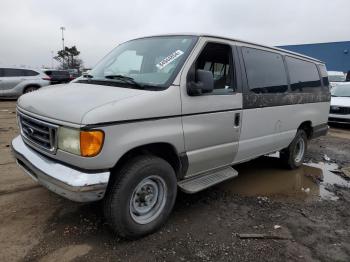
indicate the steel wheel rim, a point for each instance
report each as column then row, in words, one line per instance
column 148, row 199
column 299, row 150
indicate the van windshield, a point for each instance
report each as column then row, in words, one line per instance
column 147, row 62
column 341, row 90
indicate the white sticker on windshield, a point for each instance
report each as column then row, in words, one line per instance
column 170, row 58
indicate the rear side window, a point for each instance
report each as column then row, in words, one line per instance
column 324, row 75
column 12, row 72
column 58, row 73
column 265, row 71
column 304, row 75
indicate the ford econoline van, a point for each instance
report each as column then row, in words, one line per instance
column 166, row 113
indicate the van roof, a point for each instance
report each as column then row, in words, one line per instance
column 238, row 40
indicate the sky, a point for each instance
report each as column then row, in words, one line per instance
column 30, row 29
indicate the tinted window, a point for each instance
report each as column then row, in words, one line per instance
column 265, row 71
column 324, row 75
column 30, row 73
column 304, row 75
column 63, row 73
column 11, row 72
column 57, row 73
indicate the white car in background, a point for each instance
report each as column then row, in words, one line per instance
column 17, row 81
column 340, row 104
column 336, row 77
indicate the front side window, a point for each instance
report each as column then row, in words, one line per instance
column 265, row 71
column 303, row 75
column 147, row 62
column 217, row 58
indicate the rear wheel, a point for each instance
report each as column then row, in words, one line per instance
column 142, row 197
column 293, row 156
column 30, row 89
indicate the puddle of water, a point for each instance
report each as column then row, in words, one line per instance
column 266, row 177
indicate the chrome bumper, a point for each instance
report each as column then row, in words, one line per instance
column 63, row 180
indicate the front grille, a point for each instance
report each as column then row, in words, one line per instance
column 38, row 133
column 339, row 110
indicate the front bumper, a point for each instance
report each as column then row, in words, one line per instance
column 65, row 181
column 337, row 118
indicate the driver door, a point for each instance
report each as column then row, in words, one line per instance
column 211, row 121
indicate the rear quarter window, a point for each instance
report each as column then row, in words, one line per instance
column 304, row 76
column 31, row 73
column 265, row 71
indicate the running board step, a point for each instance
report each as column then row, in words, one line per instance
column 200, row 182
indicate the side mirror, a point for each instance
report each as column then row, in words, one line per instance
column 204, row 83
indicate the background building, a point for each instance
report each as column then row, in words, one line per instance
column 336, row 55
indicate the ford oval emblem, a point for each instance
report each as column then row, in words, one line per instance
column 30, row 131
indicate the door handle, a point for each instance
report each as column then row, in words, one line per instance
column 237, row 119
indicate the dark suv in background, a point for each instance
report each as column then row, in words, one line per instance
column 58, row 76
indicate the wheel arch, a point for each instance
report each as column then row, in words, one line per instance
column 166, row 151
column 30, row 85
column 307, row 127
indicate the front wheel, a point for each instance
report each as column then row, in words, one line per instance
column 141, row 197
column 293, row 156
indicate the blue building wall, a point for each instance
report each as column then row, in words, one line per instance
column 336, row 55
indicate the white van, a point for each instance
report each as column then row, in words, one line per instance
column 169, row 112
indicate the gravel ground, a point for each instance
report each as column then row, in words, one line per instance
column 39, row 225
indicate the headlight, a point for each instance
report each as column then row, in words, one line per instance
column 84, row 143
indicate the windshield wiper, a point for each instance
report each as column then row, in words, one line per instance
column 125, row 79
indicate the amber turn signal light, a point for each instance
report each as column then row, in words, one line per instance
column 91, row 142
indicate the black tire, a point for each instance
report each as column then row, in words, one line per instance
column 29, row 89
column 290, row 156
column 118, row 204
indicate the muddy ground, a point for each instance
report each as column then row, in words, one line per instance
column 301, row 218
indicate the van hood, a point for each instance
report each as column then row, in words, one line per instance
column 83, row 104
column 70, row 102
column 340, row 101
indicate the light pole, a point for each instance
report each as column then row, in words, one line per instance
column 62, row 29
